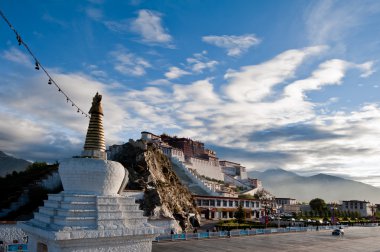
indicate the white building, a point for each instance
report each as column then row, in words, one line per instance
column 208, row 168
column 256, row 183
column 150, row 137
column 361, row 206
column 172, row 152
column 285, row 201
column 216, row 207
column 288, row 205
column 234, row 169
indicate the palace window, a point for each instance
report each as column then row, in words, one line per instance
column 205, row 202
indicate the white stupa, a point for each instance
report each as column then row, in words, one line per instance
column 90, row 215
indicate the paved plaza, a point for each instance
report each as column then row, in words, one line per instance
column 355, row 239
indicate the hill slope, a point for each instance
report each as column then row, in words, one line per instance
column 151, row 171
column 330, row 188
column 8, row 164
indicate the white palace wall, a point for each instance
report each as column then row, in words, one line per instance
column 207, row 168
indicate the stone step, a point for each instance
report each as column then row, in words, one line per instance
column 127, row 208
column 55, row 197
column 104, row 224
column 75, row 221
column 111, row 215
column 43, row 217
column 79, row 198
column 52, row 203
column 47, row 210
column 136, row 221
column 41, row 224
column 68, row 197
column 78, row 205
column 69, row 205
column 57, row 227
column 105, row 200
column 76, row 212
column 116, row 207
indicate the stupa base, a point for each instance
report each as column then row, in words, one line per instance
column 92, row 241
column 80, row 223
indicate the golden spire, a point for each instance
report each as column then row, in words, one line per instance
column 95, row 146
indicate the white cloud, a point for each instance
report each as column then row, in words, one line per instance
column 235, row 45
column 331, row 21
column 254, row 83
column 262, row 117
column 367, row 69
column 196, row 64
column 200, row 62
column 200, row 112
column 175, row 73
column 16, row 55
column 48, row 117
column 128, row 63
column 199, row 91
column 328, row 73
column 95, row 71
column 148, row 25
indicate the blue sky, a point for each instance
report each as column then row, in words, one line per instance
column 269, row 84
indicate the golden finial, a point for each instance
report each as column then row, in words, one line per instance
column 95, row 146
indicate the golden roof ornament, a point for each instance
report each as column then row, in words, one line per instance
column 95, row 146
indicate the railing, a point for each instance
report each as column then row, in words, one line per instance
column 19, row 247
column 224, row 234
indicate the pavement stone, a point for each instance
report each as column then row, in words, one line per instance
column 355, row 239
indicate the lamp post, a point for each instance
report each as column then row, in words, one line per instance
column 333, row 207
column 373, row 211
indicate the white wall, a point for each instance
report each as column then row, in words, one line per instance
column 10, row 232
column 193, row 177
column 207, row 168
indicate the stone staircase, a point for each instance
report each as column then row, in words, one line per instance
column 66, row 211
column 192, row 184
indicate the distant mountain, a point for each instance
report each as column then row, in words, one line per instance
column 330, row 188
column 8, row 164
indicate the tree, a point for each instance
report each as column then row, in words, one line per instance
column 239, row 214
column 266, row 199
column 245, row 196
column 317, row 204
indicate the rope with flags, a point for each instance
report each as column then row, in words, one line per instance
column 39, row 66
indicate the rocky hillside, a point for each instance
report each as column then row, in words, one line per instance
column 151, row 171
column 9, row 164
